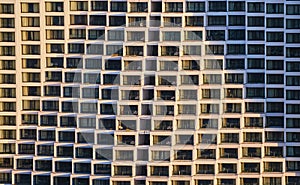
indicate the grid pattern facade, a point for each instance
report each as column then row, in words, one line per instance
column 150, row 92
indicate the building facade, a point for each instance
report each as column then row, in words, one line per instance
column 137, row 92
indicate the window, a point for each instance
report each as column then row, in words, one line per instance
column 116, row 21
column 30, row 7
column 217, row 6
column 173, row 7
column 275, row 50
column 236, row 6
column 8, row 64
column 276, row 8
column 211, row 93
column 136, row 21
column 236, row 20
column 93, row 63
column 234, row 78
column 212, row 79
column 54, row 20
column 214, row 49
column 50, row 34
column 293, row 52
column 292, row 23
column 255, row 7
column 78, row 5
column 292, row 37
column 235, row 64
column 118, row 6
column 213, row 64
column 292, row 9
column 292, row 80
column 7, row 36
column 255, row 92
column 275, row 22
column 194, row 21
column 31, row 21
column 81, row 20
column 6, row 8
column 77, row 33
column 236, row 49
column 191, row 50
column 190, row 65
column 99, row 6
column 256, row 49
column 96, row 34
column 256, row 77
column 236, row 34
column 171, row 36
column 254, row 107
column 54, row 6
column 55, row 48
column 216, row 20
column 275, row 64
column 136, row 36
column 139, row 7
column 256, row 21
column 30, row 49
column 256, row 35
column 275, row 107
column 293, row 67
column 293, row 95
column 7, row 22
column 195, row 6
column 275, row 36
column 255, row 63
column 116, row 35
column 215, row 34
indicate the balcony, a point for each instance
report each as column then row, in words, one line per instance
column 229, row 138
column 206, row 154
column 82, row 168
column 127, row 125
column 208, row 123
column 26, row 149
column 274, row 136
column 252, row 137
column 251, row 152
column 134, row 51
column 205, row 169
column 137, row 21
column 168, row 65
column 129, row 110
column 64, row 151
column 208, row 139
column 227, row 168
column 250, row 167
column 231, row 123
column 183, row 155
column 229, row 153
column 273, row 151
column 169, row 51
column 273, row 167
column 162, row 140
column 106, row 139
column 163, row 125
column 184, row 139
column 167, row 80
column 25, row 164
column 166, row 95
column 123, row 170
column 165, row 110
column 102, row 169
column 126, row 140
column 66, row 136
column 6, row 163
column 159, row 171
column 107, row 124
column 84, row 152
column 250, row 181
column 232, row 108
column 182, row 170
column 253, row 122
column 45, row 150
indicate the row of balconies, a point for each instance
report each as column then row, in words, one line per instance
column 25, row 178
